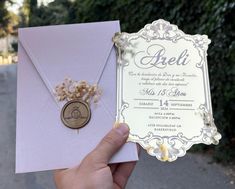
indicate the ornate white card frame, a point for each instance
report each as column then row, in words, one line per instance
column 163, row 148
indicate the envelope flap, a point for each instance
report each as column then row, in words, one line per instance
column 83, row 48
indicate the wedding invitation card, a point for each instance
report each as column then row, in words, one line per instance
column 71, row 86
column 163, row 89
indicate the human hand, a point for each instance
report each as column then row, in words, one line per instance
column 94, row 171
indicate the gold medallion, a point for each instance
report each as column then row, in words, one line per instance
column 75, row 114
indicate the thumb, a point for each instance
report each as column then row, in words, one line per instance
column 111, row 143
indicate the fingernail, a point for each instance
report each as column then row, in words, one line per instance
column 116, row 124
column 122, row 128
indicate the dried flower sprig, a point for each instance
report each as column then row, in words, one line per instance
column 72, row 90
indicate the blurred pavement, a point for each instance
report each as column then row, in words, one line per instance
column 194, row 171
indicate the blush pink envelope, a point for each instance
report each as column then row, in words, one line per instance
column 47, row 55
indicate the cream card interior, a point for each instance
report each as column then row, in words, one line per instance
column 163, row 89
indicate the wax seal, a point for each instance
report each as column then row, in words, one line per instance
column 75, row 114
column 79, row 95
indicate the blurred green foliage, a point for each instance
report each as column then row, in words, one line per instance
column 214, row 18
column 4, row 18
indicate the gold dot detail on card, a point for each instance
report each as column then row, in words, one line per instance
column 75, row 114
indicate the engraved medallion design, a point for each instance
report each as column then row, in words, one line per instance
column 75, row 114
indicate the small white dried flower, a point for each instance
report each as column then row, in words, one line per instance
column 70, row 90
